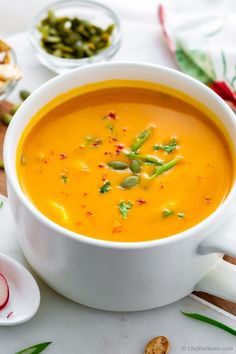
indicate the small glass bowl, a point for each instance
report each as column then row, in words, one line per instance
column 11, row 84
column 92, row 11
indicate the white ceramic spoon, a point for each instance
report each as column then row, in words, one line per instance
column 24, row 295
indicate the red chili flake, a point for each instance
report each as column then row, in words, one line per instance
column 141, row 201
column 10, row 314
column 101, row 165
column 85, row 194
column 62, row 156
column 97, row 143
column 208, row 200
column 104, row 177
column 89, row 214
column 117, row 228
column 119, row 146
column 118, row 152
column 114, row 139
column 124, row 129
column 111, row 115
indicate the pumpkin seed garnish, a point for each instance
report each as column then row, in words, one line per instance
column 24, row 94
column 135, row 166
column 181, row 215
column 129, row 182
column 73, row 38
column 1, row 165
column 158, row 345
column 117, row 165
column 6, row 118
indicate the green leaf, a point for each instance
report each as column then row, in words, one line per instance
column 211, row 321
column 124, row 208
column 106, row 187
column 140, row 139
column 167, row 148
column 195, row 63
column 35, row 349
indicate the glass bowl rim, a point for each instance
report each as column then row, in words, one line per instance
column 113, row 47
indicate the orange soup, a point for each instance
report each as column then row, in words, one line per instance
column 125, row 161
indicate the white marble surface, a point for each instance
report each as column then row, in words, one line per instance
column 75, row 329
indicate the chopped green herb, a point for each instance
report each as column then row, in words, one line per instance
column 24, row 94
column 1, row 204
column 148, row 159
column 135, row 166
column 168, row 148
column 106, row 187
column 211, row 321
column 129, row 182
column 124, row 208
column 165, row 167
column 167, row 212
column 1, row 165
column 64, row 179
column 181, row 215
column 117, row 165
column 35, row 349
column 140, row 139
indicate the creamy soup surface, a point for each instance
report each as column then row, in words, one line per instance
column 125, row 164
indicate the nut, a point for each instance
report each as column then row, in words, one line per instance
column 158, row 345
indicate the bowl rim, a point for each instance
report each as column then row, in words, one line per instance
column 10, row 165
column 110, row 50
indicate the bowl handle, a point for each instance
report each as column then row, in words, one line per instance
column 221, row 281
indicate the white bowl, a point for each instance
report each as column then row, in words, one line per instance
column 124, row 276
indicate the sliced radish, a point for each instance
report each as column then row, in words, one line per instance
column 4, row 292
